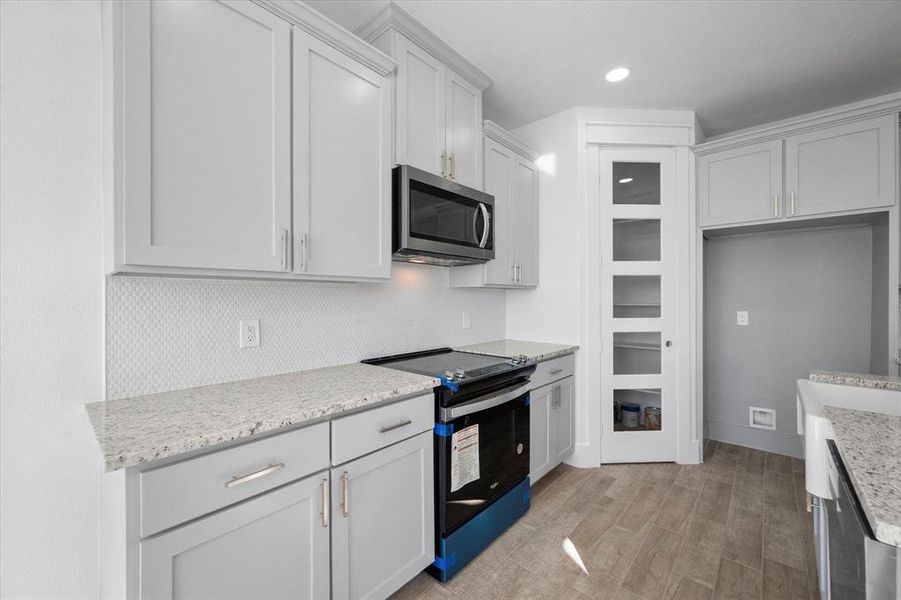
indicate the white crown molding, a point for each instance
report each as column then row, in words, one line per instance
column 872, row 107
column 393, row 17
column 331, row 33
column 500, row 135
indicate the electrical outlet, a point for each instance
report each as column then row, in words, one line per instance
column 466, row 323
column 741, row 318
column 250, row 333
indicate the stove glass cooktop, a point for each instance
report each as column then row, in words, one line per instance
column 443, row 362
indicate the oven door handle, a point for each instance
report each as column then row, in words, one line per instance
column 502, row 396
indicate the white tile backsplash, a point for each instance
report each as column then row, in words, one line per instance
column 168, row 333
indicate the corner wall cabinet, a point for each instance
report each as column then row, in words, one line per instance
column 552, row 417
column 199, row 137
column 277, row 517
column 831, row 169
column 512, row 178
column 438, row 99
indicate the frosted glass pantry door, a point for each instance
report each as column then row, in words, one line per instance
column 638, row 305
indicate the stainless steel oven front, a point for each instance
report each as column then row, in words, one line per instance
column 439, row 221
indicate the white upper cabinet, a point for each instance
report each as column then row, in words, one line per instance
column 510, row 175
column 824, row 169
column 200, row 129
column 206, row 135
column 420, row 134
column 438, row 119
column 464, row 131
column 744, row 184
column 342, row 164
column 844, row 167
column 524, row 225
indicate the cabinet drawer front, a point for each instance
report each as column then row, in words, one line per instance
column 359, row 434
column 553, row 370
column 177, row 493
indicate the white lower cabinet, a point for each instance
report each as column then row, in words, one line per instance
column 552, row 426
column 383, row 519
column 273, row 546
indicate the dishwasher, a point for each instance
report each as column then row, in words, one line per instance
column 859, row 566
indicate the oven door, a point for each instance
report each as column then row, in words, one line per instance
column 435, row 216
column 483, row 455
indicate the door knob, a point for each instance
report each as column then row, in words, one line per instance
column 668, row 343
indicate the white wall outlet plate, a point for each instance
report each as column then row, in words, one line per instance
column 250, row 333
column 741, row 318
column 466, row 322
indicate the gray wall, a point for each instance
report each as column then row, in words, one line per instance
column 809, row 296
column 879, row 350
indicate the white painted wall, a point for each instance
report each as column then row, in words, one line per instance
column 51, row 297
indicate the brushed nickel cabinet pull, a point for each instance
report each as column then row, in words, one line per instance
column 444, row 164
column 345, row 500
column 236, row 480
column 403, row 423
column 325, row 502
column 555, row 371
column 793, row 204
column 453, row 165
column 775, row 205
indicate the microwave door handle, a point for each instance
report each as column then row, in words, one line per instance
column 475, row 220
column 486, row 218
column 505, row 395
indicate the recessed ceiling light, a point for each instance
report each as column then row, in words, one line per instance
column 617, row 74
column 625, row 180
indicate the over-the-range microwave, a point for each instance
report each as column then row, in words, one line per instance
column 438, row 221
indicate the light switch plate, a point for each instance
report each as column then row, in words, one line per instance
column 466, row 322
column 741, row 318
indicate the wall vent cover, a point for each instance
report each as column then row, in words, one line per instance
column 762, row 418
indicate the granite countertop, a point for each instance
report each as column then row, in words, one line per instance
column 870, row 447
column 138, row 430
column 884, row 382
column 536, row 351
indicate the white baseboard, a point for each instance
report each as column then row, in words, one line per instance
column 777, row 442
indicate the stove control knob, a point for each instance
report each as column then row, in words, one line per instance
column 449, row 375
column 459, row 373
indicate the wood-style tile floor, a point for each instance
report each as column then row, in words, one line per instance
column 733, row 527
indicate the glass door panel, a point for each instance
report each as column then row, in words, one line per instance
column 636, row 240
column 636, row 353
column 636, row 183
column 637, row 409
column 636, row 296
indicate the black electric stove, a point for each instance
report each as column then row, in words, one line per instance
column 481, row 448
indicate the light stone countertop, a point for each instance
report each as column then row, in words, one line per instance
column 132, row 431
column 869, row 380
column 536, row 351
column 870, row 447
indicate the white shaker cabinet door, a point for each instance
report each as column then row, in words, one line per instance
column 498, row 159
column 565, row 421
column 846, row 167
column 741, row 185
column 420, row 108
column 464, row 131
column 342, row 164
column 524, row 233
column 542, row 430
column 274, row 546
column 383, row 524
column 206, row 126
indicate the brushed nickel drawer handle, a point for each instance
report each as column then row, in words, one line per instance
column 345, row 501
column 325, row 502
column 395, row 426
column 556, row 371
column 255, row 475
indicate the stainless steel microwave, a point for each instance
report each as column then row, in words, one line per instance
column 438, row 221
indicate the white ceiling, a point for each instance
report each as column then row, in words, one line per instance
column 737, row 64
